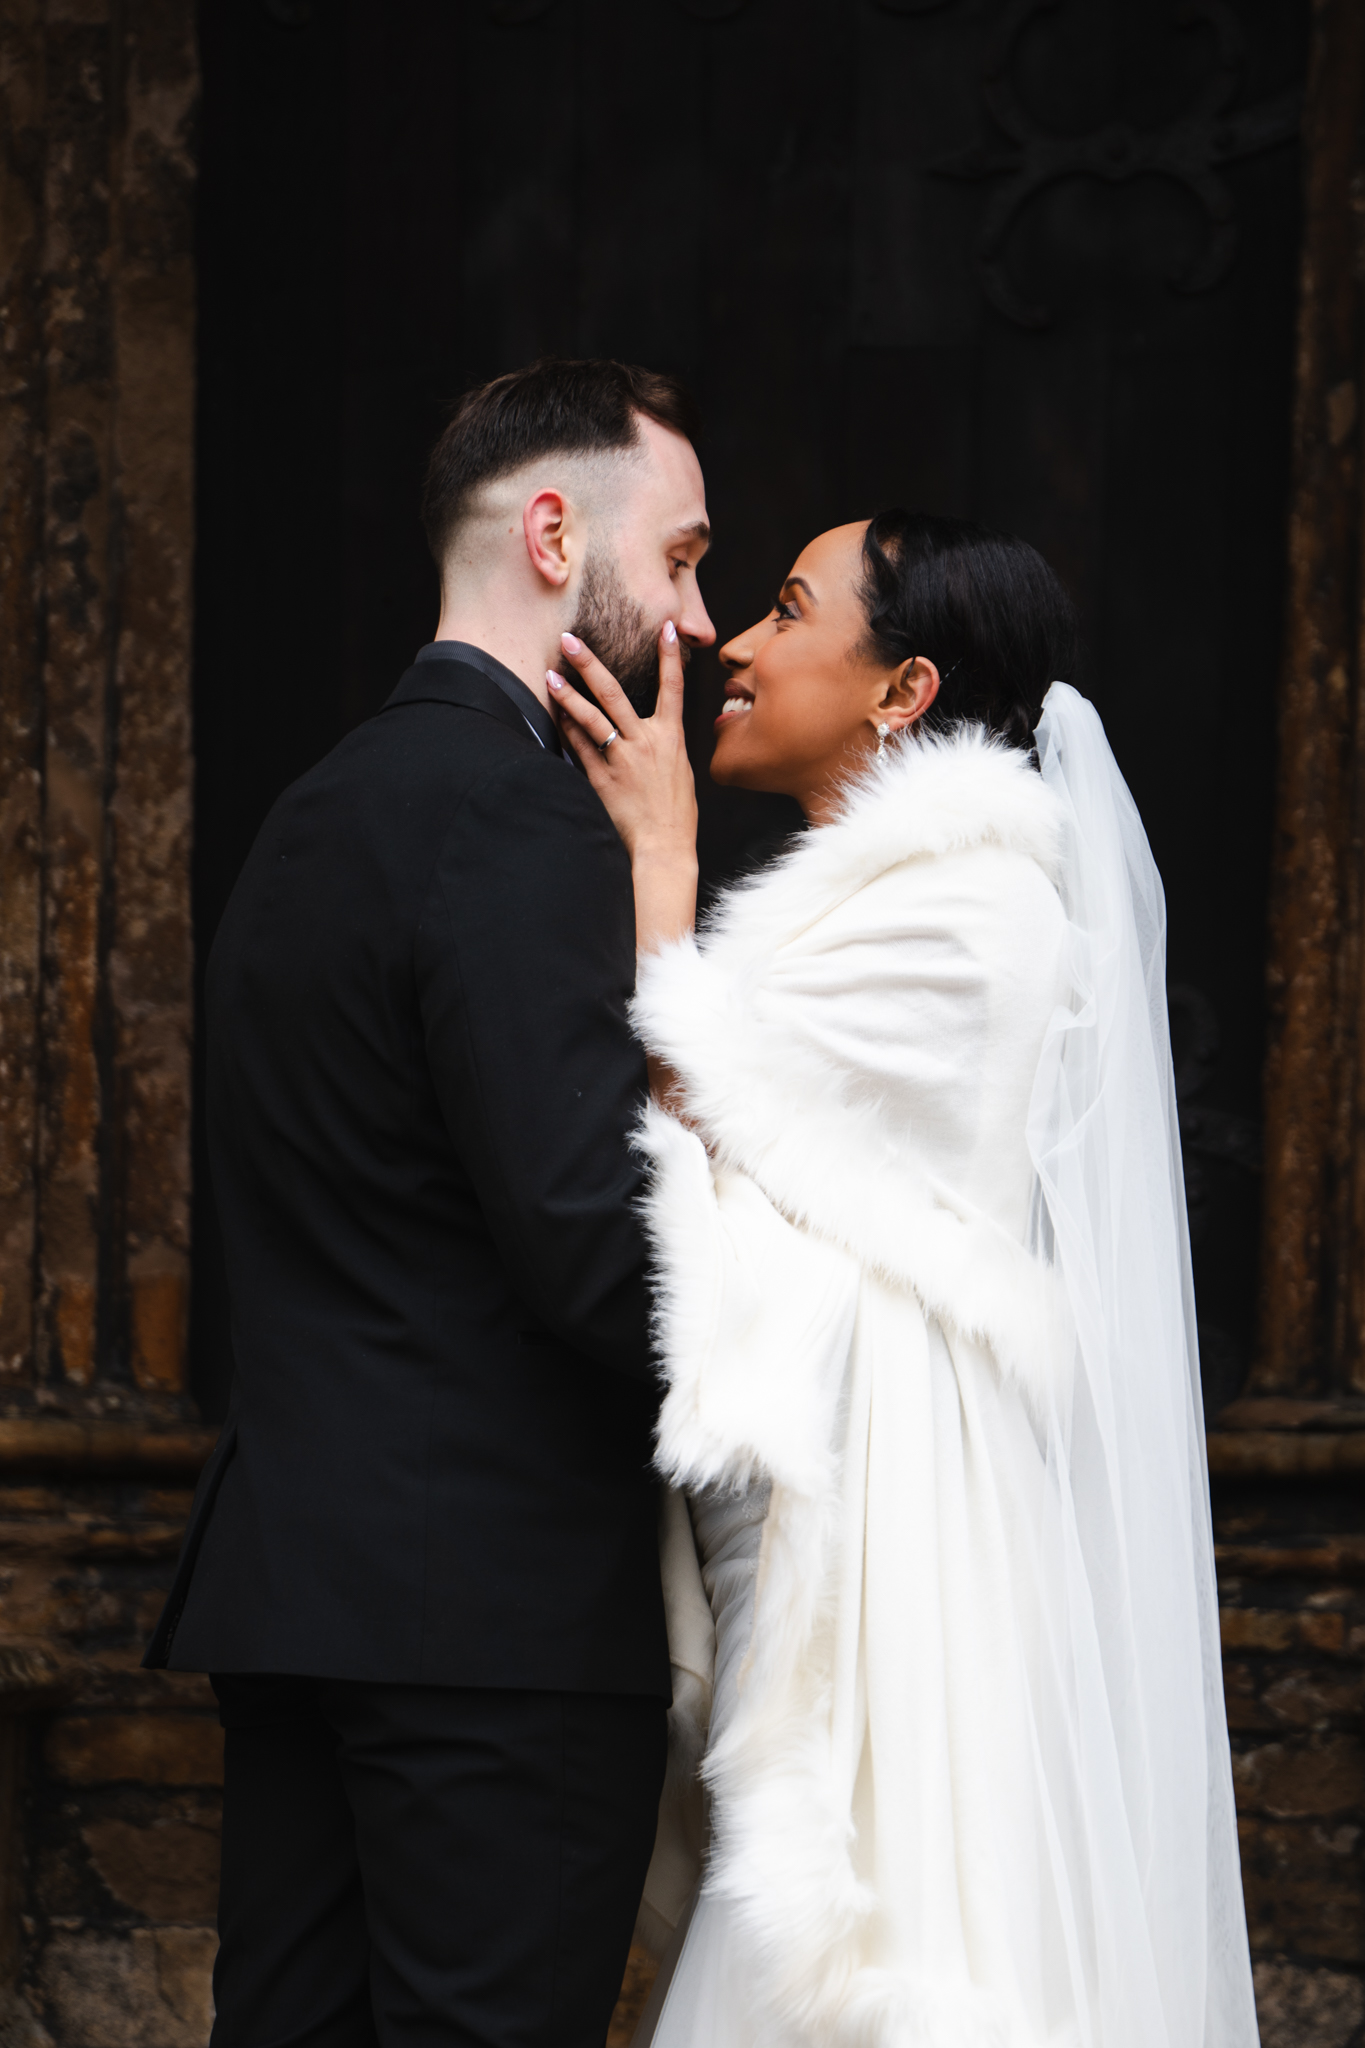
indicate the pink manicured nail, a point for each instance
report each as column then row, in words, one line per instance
column 670, row 633
column 555, row 682
column 570, row 644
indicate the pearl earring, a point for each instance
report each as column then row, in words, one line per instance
column 882, row 732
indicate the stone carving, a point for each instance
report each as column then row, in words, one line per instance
column 1307, row 2008
column 96, row 421
column 1313, row 1259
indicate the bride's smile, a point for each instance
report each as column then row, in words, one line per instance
column 736, row 699
column 807, row 690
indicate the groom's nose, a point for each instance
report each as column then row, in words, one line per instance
column 694, row 624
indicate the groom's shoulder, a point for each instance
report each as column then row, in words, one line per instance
column 464, row 761
column 417, row 756
column 419, row 773
column 536, row 807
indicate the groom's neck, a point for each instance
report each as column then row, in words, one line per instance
column 527, row 646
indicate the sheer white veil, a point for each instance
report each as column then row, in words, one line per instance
column 1145, row 1863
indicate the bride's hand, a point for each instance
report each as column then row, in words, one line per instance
column 639, row 768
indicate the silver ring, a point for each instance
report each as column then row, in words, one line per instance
column 612, row 735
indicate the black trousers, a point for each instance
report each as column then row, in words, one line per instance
column 420, row 1865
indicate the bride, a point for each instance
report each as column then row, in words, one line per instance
column 927, row 1330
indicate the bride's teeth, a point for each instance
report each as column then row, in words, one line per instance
column 736, row 704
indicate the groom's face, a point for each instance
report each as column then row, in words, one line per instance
column 641, row 565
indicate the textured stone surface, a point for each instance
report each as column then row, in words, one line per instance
column 1325, row 1774
column 19, row 2024
column 21, row 602
column 641, row 1971
column 1301, row 2008
column 150, row 960
column 79, row 530
column 96, row 509
column 1293, row 1623
column 167, row 1870
column 149, row 1989
column 1305, row 1886
column 1313, row 1259
column 1249, row 1628
column 1310, row 1699
column 142, row 1749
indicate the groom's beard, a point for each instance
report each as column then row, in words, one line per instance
column 614, row 628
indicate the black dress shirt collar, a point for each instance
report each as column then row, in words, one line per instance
column 526, row 701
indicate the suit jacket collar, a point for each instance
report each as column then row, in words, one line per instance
column 441, row 654
column 452, row 682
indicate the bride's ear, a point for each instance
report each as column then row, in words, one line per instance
column 910, row 693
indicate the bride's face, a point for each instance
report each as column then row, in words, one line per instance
column 804, row 695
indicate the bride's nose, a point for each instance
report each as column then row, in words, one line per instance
column 738, row 653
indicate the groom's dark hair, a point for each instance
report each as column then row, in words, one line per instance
column 554, row 407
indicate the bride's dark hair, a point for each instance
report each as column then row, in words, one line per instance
column 984, row 607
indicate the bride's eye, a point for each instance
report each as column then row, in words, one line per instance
column 782, row 610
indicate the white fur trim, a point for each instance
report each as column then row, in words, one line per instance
column 958, row 834
column 755, row 1321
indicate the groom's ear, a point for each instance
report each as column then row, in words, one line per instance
column 545, row 522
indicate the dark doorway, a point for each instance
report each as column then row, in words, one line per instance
column 1032, row 261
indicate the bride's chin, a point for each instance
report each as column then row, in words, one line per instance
column 725, row 763
column 729, row 767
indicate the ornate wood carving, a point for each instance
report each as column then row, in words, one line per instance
column 1313, row 1321
column 1189, row 152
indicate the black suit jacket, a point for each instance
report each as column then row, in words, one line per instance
column 420, row 1087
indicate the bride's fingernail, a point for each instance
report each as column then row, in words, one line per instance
column 555, row 682
column 570, row 644
column 670, row 632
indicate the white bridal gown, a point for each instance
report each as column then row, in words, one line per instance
column 930, row 1275
column 936, row 1574
column 697, row 2001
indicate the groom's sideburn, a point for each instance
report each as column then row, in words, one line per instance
column 422, row 1564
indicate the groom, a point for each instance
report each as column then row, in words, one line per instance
column 422, row 1566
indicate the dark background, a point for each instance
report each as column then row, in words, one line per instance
column 784, row 200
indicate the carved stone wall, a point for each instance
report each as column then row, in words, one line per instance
column 107, row 1775
column 114, row 1831
column 96, row 535
column 1313, row 1264
column 1290, row 1548
column 1288, row 1459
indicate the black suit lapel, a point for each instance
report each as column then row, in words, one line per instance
column 454, row 682
column 539, row 718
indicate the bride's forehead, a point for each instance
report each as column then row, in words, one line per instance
column 830, row 561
